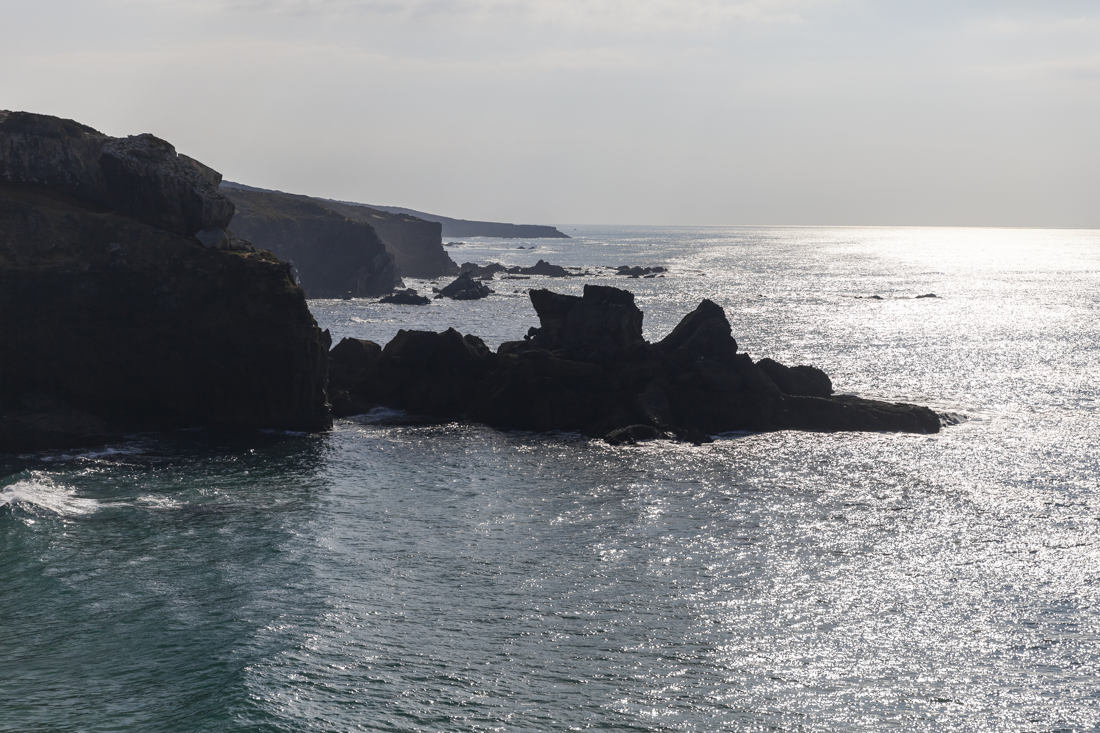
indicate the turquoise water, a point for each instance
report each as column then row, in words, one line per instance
column 401, row 576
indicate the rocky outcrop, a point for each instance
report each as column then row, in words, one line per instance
column 416, row 244
column 405, row 297
column 465, row 228
column 333, row 256
column 464, row 288
column 542, row 267
column 117, row 322
column 139, row 176
column 587, row 367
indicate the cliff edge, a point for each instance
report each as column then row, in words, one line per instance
column 125, row 305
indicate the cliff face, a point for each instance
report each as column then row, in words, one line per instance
column 417, row 245
column 115, row 322
column 460, row 228
column 334, row 256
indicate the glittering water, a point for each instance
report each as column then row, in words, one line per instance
column 403, row 577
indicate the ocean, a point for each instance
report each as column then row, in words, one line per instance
column 403, row 575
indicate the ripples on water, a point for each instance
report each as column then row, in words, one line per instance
column 390, row 576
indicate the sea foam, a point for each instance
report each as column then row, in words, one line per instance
column 39, row 492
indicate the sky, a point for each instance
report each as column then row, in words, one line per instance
column 679, row 112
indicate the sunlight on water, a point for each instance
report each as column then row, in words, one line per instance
column 404, row 577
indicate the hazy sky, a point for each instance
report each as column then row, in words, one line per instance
column 606, row 111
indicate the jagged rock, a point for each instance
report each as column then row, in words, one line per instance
column 139, row 176
column 543, row 268
column 405, row 297
column 588, row 368
column 602, row 324
column 482, row 272
column 464, row 288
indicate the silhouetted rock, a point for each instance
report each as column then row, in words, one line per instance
column 464, row 288
column 602, row 324
column 928, row 295
column 333, row 256
column 637, row 272
column 139, row 176
column 109, row 323
column 416, row 244
column 799, row 381
column 588, row 368
column 405, row 297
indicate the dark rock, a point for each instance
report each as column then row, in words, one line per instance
column 542, row 268
column 464, row 288
column 588, row 368
column 332, row 254
column 637, row 272
column 928, row 295
column 602, row 324
column 140, row 176
column 482, row 272
column 142, row 328
column 799, row 381
column 416, row 244
column 405, row 297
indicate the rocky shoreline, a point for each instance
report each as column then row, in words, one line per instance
column 126, row 304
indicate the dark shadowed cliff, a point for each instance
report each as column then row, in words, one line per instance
column 124, row 305
column 416, row 245
column 334, row 256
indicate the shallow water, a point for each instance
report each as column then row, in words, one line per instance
column 400, row 577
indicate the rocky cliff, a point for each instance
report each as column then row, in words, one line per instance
column 416, row 245
column 460, row 228
column 124, row 305
column 587, row 367
column 333, row 256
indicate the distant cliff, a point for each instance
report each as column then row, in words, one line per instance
column 416, row 245
column 125, row 306
column 463, row 228
column 334, row 256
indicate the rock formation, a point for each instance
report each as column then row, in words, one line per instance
column 542, row 267
column 333, row 256
column 114, row 316
column 587, row 367
column 405, row 297
column 416, row 244
column 465, row 228
column 464, row 288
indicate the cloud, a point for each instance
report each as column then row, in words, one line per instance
column 630, row 16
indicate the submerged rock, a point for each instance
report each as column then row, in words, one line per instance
column 587, row 367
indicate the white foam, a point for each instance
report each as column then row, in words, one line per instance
column 41, row 492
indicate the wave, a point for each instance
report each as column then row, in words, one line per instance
column 38, row 493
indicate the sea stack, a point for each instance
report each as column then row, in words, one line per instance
column 587, row 367
column 126, row 304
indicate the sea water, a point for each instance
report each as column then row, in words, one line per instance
column 398, row 575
